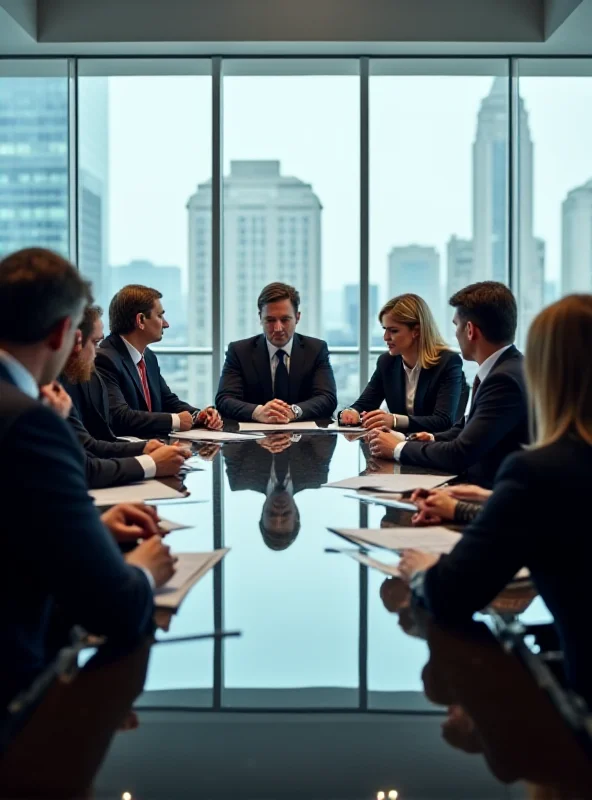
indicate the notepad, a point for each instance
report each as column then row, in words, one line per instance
column 199, row 435
column 403, row 482
column 288, row 426
column 134, row 493
column 435, row 539
column 191, row 567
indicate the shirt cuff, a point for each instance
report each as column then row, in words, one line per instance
column 401, row 422
column 397, row 451
column 255, row 410
column 175, row 422
column 149, row 577
column 148, row 464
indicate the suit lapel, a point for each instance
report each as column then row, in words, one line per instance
column 511, row 351
column 99, row 397
column 397, row 388
column 119, row 345
column 297, row 359
column 262, row 366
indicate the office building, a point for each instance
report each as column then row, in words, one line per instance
column 416, row 269
column 460, row 264
column 576, row 232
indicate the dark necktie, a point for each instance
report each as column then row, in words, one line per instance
column 281, row 462
column 144, row 379
column 280, row 387
column 476, row 385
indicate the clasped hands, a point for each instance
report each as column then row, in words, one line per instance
column 275, row 411
column 206, row 418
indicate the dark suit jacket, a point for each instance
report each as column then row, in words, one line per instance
column 57, row 549
column 127, row 407
column 497, row 426
column 527, row 523
column 436, row 399
column 92, row 404
column 246, row 378
column 249, row 466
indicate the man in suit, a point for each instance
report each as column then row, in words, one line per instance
column 59, row 551
column 140, row 402
column 496, row 423
column 108, row 462
column 279, row 468
column 277, row 376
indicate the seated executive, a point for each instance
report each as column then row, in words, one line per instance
column 277, row 376
column 107, row 461
column 140, row 402
column 279, row 468
column 525, row 522
column 420, row 378
column 496, row 423
column 60, row 552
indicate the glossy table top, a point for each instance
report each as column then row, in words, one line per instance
column 323, row 637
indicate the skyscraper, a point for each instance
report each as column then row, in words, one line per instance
column 272, row 232
column 168, row 281
column 416, row 269
column 34, row 201
column 576, row 233
column 351, row 313
column 460, row 261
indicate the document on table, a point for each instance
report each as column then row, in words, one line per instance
column 289, row 426
column 403, row 482
column 335, row 426
column 367, row 561
column 168, row 526
column 202, row 435
column 434, row 539
column 129, row 439
column 134, row 493
column 191, row 567
column 383, row 499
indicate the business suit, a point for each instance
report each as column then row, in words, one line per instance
column 246, row 379
column 127, row 406
column 496, row 426
column 59, row 552
column 526, row 523
column 436, row 399
column 92, row 404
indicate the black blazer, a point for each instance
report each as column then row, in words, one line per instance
column 245, row 382
column 58, row 550
column 127, row 407
column 528, row 522
column 249, row 466
column 92, row 404
column 436, row 399
column 497, row 425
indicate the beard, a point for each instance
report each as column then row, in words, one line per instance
column 78, row 371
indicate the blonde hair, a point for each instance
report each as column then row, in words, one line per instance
column 558, row 370
column 412, row 310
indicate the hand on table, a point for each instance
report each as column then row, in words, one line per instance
column 152, row 445
column 185, row 421
column 156, row 557
column 209, row 418
column 131, row 521
column 274, row 412
column 433, row 507
column 424, row 436
column 413, row 561
column 276, row 443
column 349, row 416
column 169, row 459
column 57, row 398
column 468, row 492
column 382, row 442
column 378, row 419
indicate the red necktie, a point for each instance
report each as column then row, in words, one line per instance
column 144, row 379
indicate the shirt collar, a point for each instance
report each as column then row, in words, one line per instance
column 490, row 362
column 287, row 348
column 411, row 370
column 20, row 375
column 136, row 356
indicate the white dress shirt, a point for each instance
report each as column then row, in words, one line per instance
column 274, row 360
column 411, row 378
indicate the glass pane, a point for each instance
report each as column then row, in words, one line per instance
column 145, row 147
column 291, row 148
column 188, row 376
column 438, row 183
column 34, row 156
column 555, row 195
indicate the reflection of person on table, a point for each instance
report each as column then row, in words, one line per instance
column 279, row 468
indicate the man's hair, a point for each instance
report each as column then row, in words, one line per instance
column 130, row 301
column 38, row 288
column 274, row 292
column 90, row 316
column 490, row 306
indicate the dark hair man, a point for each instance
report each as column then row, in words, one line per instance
column 277, row 376
column 63, row 553
column 140, row 402
column 496, row 422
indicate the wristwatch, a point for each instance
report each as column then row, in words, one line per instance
column 297, row 411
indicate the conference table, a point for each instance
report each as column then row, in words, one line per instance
column 322, row 694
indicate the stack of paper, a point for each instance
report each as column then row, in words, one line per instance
column 203, row 435
column 190, row 568
column 403, row 482
column 270, row 427
column 435, row 539
column 134, row 493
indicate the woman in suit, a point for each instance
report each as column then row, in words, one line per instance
column 534, row 517
column 420, row 378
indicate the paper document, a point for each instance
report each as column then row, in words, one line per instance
column 386, row 569
column 190, row 568
column 434, row 539
column 134, row 493
column 201, row 435
column 167, row 526
column 383, row 499
column 129, row 439
column 334, row 426
column 289, row 426
column 391, row 483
